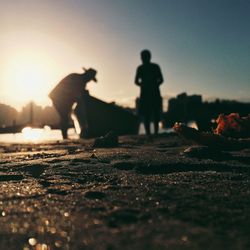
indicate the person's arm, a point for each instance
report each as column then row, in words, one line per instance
column 137, row 77
column 160, row 76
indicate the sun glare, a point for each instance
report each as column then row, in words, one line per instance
column 27, row 76
column 28, row 81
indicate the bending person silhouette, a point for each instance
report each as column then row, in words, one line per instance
column 149, row 78
column 68, row 91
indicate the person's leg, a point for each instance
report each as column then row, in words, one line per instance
column 156, row 121
column 211, row 140
column 156, row 127
column 147, row 123
column 64, row 124
column 63, row 112
column 157, row 111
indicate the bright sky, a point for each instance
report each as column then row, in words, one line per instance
column 202, row 46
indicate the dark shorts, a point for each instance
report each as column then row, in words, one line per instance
column 150, row 107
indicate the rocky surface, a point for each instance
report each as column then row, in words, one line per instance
column 146, row 193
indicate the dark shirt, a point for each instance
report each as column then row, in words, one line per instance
column 69, row 87
column 149, row 77
column 68, row 91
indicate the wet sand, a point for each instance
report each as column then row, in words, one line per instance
column 143, row 194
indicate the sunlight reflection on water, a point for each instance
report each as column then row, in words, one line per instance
column 36, row 135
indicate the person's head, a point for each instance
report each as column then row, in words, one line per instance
column 90, row 74
column 145, row 56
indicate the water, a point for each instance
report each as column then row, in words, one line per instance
column 161, row 129
column 37, row 135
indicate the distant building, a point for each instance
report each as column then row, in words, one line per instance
column 184, row 108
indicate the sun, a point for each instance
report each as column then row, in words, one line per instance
column 28, row 81
column 28, row 76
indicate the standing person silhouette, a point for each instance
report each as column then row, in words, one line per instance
column 149, row 78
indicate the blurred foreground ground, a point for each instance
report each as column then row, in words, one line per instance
column 143, row 194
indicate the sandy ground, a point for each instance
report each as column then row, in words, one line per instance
column 143, row 194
